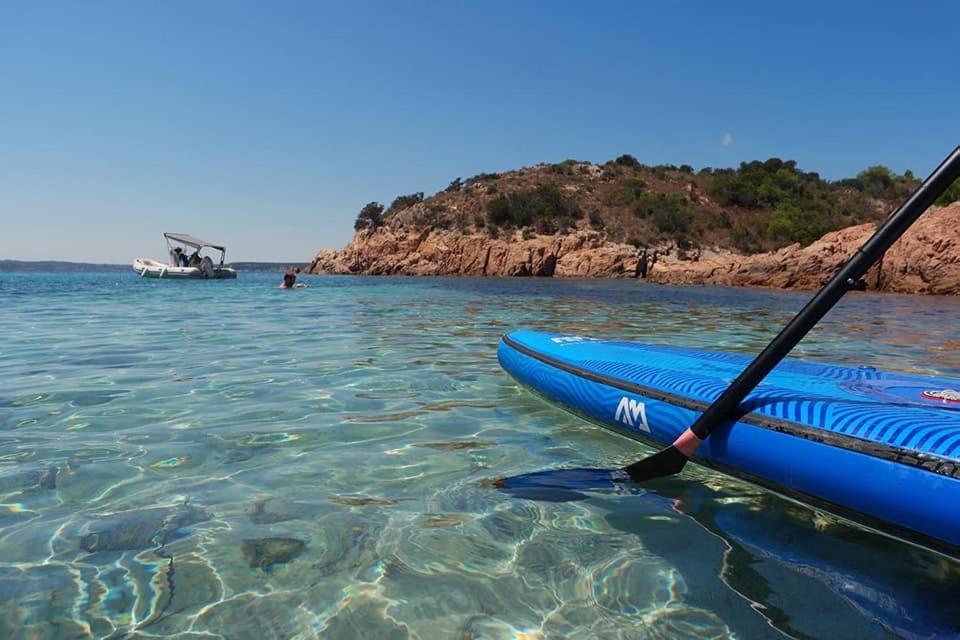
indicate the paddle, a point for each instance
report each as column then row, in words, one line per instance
column 672, row 459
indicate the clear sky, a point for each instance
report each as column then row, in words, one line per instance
column 268, row 125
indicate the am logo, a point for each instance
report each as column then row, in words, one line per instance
column 562, row 340
column 632, row 413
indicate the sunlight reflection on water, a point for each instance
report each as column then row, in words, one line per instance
column 227, row 457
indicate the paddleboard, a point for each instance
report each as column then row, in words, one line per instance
column 879, row 448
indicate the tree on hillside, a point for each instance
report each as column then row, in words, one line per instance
column 876, row 181
column 627, row 160
column 371, row 216
column 402, row 202
column 766, row 184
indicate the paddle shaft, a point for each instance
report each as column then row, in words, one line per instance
column 724, row 407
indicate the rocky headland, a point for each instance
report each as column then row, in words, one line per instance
column 632, row 221
column 926, row 260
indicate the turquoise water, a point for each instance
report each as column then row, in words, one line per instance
column 228, row 459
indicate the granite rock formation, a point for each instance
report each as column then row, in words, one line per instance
column 926, row 260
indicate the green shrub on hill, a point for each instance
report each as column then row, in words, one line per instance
column 672, row 222
column 626, row 192
column 789, row 224
column 402, row 202
column 876, row 180
column 951, row 195
column 663, row 168
column 371, row 216
column 881, row 183
column 543, row 207
column 758, row 206
column 670, row 214
column 796, row 206
column 566, row 167
column 757, row 185
column 499, row 213
column 483, row 177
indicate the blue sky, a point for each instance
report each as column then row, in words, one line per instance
column 268, row 125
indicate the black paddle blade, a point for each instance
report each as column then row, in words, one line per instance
column 560, row 485
column 667, row 462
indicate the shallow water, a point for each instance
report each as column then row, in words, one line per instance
column 204, row 459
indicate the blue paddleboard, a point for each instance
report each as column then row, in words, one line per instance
column 879, row 448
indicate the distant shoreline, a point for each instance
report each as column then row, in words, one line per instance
column 62, row 266
column 57, row 266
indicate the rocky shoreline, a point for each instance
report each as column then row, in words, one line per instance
column 925, row 261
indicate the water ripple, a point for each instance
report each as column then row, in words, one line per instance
column 317, row 463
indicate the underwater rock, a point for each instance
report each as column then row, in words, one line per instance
column 27, row 480
column 356, row 501
column 140, row 529
column 260, row 514
column 237, row 455
column 48, row 479
column 439, row 521
column 263, row 553
column 457, row 445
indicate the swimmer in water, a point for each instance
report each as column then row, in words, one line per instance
column 290, row 281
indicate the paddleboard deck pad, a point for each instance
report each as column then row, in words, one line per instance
column 879, row 448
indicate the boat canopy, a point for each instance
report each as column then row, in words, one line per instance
column 191, row 241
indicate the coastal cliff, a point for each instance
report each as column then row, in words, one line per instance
column 629, row 221
column 926, row 260
column 436, row 252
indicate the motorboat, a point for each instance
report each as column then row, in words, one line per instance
column 184, row 266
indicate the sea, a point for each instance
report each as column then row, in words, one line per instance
column 228, row 459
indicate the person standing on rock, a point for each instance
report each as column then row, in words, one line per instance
column 642, row 264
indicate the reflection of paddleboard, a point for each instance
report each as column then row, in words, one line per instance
column 898, row 594
column 882, row 449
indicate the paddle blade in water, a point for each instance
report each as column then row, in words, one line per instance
column 561, row 485
column 667, row 462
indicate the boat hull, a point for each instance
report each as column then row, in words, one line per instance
column 147, row 268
